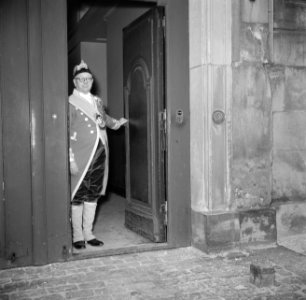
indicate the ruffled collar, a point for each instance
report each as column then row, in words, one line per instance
column 88, row 97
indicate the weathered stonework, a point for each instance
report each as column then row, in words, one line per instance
column 218, row 231
column 262, row 275
column 251, row 137
column 289, row 25
column 257, row 226
column 262, row 91
column 254, row 42
column 288, row 86
column 290, row 218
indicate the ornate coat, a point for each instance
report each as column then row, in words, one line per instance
column 88, row 121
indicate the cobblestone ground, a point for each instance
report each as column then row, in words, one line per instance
column 185, row 273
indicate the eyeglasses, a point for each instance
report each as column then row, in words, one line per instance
column 84, row 79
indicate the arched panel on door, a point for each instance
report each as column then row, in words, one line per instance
column 138, row 95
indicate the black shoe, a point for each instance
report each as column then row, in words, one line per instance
column 79, row 245
column 95, row 242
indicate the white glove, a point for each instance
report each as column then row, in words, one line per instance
column 122, row 121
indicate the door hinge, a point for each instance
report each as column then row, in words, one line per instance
column 163, row 129
column 12, row 257
column 65, row 252
column 164, row 25
column 164, row 209
column 3, row 191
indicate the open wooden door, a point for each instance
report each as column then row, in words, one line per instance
column 143, row 61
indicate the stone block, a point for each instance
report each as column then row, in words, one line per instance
column 289, row 14
column 255, row 11
column 288, row 129
column 295, row 89
column 215, row 231
column 289, row 175
column 261, row 275
column 197, row 50
column 215, row 38
column 225, row 230
column 257, row 226
column 251, row 112
column 222, row 230
column 289, row 48
column 254, row 42
column 198, row 230
column 290, row 218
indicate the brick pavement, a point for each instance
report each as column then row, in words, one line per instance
column 185, row 273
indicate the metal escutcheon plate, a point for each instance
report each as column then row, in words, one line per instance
column 218, row 116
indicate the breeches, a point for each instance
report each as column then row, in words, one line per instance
column 92, row 183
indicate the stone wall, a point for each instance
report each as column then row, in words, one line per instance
column 251, row 121
column 288, row 85
column 264, row 141
column 269, row 116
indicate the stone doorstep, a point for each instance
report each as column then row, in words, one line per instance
column 262, row 276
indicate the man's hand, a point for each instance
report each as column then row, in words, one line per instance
column 123, row 121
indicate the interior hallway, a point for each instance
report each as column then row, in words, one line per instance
column 109, row 226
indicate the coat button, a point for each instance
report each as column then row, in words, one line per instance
column 92, row 131
column 89, row 125
column 86, row 119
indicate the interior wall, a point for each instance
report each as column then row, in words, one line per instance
column 94, row 54
column 74, row 57
column 115, row 23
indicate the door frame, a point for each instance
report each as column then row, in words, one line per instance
column 178, row 193
column 177, row 158
column 52, row 234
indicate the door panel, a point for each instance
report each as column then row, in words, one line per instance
column 57, row 190
column 15, row 133
column 138, row 135
column 34, row 205
column 143, row 54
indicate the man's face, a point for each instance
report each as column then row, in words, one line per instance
column 83, row 82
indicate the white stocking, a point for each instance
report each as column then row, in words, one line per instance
column 88, row 219
column 76, row 220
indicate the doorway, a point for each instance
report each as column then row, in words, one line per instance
column 133, row 212
column 35, row 79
